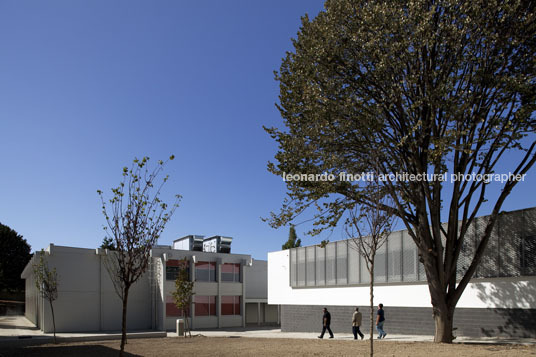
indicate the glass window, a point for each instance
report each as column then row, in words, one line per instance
column 173, row 311
column 205, row 271
column 230, row 272
column 230, row 305
column 173, row 267
column 205, row 305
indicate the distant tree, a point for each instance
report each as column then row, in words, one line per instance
column 46, row 282
column 108, row 243
column 135, row 220
column 184, row 291
column 441, row 87
column 14, row 255
column 292, row 241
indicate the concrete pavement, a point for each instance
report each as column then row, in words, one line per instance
column 267, row 332
column 19, row 328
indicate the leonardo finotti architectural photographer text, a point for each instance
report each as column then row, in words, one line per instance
column 404, row 177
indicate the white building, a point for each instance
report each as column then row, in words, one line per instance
column 500, row 299
column 230, row 290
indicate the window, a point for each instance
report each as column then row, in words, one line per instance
column 205, row 305
column 230, row 272
column 205, row 271
column 173, row 267
column 230, row 305
column 173, row 311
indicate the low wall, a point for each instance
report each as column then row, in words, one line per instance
column 472, row 322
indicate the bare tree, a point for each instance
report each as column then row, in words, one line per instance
column 369, row 226
column 46, row 281
column 135, row 220
column 184, row 291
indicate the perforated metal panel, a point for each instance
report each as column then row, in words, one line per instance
column 511, row 251
column 380, row 269
column 353, row 262
column 489, row 265
column 310, row 261
column 466, row 253
column 331, row 266
column 409, row 258
column 301, row 266
column 293, row 267
column 394, row 256
column 342, row 263
column 320, row 266
column 510, row 244
column 364, row 273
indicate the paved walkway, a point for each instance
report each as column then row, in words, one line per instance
column 276, row 333
column 20, row 328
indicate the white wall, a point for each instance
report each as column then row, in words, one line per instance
column 257, row 280
column 489, row 293
column 30, row 302
column 87, row 300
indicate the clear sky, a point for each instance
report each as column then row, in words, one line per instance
column 86, row 86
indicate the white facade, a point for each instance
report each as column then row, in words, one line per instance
column 88, row 302
column 480, row 293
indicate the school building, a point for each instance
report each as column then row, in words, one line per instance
column 230, row 289
column 500, row 300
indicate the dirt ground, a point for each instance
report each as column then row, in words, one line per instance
column 218, row 346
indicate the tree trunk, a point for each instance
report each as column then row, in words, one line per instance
column 371, row 272
column 187, row 326
column 124, row 323
column 53, row 320
column 443, row 325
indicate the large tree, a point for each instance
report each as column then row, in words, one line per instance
column 135, row 218
column 434, row 87
column 14, row 255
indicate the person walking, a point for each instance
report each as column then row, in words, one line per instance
column 380, row 319
column 326, row 321
column 356, row 323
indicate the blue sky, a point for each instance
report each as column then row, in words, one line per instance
column 86, row 86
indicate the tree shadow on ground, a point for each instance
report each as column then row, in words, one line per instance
column 62, row 350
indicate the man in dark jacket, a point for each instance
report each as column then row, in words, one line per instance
column 326, row 321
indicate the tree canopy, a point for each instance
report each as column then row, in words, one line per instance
column 14, row 255
column 431, row 88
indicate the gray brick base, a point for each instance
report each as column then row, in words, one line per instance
column 414, row 321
